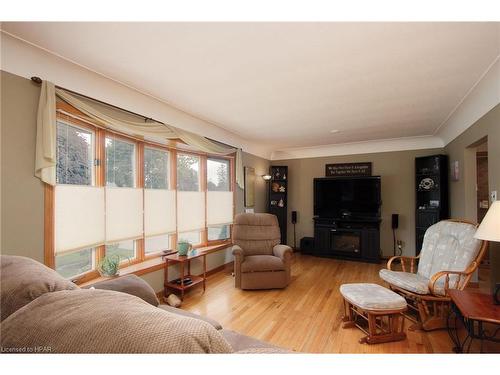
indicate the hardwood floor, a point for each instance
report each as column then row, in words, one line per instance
column 306, row 316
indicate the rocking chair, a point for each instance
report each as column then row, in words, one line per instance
column 450, row 254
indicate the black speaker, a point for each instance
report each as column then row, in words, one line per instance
column 294, row 217
column 395, row 221
column 307, row 245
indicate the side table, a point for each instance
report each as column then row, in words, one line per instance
column 480, row 317
column 183, row 261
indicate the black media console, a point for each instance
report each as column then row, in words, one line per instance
column 351, row 239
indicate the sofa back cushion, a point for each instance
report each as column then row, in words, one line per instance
column 256, row 234
column 23, row 280
column 130, row 284
column 448, row 246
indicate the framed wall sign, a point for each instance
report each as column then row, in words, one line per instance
column 348, row 169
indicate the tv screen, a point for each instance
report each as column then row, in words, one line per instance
column 338, row 197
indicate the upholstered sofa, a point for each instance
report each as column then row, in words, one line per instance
column 260, row 262
column 43, row 312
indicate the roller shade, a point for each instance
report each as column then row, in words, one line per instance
column 159, row 212
column 79, row 217
column 190, row 210
column 219, row 207
column 124, row 214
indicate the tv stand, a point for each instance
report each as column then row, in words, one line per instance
column 353, row 238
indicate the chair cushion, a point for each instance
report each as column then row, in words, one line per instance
column 448, row 246
column 24, row 280
column 372, row 297
column 407, row 281
column 259, row 263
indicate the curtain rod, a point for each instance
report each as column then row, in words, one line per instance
column 38, row 81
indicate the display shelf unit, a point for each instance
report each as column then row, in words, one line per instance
column 278, row 197
column 431, row 194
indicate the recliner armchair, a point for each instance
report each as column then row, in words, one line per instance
column 260, row 262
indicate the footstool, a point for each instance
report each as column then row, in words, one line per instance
column 380, row 307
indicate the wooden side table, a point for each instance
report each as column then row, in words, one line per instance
column 478, row 314
column 183, row 261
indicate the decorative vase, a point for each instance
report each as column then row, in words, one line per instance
column 183, row 248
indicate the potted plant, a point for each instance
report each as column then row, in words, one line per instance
column 108, row 266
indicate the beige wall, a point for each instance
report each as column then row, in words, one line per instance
column 22, row 212
column 398, row 192
column 460, row 196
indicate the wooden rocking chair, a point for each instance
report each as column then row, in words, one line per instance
column 450, row 254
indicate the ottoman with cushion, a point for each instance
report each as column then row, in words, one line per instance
column 380, row 309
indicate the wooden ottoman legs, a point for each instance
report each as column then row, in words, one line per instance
column 383, row 325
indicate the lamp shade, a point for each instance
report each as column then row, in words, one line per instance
column 490, row 226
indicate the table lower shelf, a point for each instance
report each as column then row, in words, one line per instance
column 195, row 281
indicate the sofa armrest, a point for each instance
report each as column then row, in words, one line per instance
column 130, row 284
column 284, row 252
column 404, row 260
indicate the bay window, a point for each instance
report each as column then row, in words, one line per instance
column 117, row 195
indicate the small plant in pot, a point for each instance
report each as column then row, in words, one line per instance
column 109, row 265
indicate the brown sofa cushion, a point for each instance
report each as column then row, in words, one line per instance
column 24, row 279
column 104, row 321
column 260, row 263
column 189, row 314
column 130, row 284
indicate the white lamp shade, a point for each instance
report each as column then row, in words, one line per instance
column 490, row 226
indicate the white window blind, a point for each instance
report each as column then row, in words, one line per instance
column 159, row 212
column 79, row 217
column 219, row 207
column 190, row 210
column 124, row 214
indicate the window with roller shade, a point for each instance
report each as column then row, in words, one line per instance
column 75, row 173
column 219, row 199
column 190, row 199
column 159, row 201
column 116, row 195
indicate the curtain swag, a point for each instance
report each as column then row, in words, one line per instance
column 45, row 163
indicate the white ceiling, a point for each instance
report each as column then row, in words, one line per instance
column 288, row 84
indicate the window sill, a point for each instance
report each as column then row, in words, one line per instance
column 151, row 265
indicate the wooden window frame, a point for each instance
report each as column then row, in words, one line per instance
column 73, row 117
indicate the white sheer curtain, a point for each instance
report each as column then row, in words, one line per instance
column 46, row 132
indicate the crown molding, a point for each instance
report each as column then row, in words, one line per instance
column 367, row 147
column 482, row 97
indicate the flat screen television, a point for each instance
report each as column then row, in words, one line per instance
column 347, row 197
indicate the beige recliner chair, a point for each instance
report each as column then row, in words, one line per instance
column 260, row 262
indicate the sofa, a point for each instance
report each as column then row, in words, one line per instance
column 43, row 312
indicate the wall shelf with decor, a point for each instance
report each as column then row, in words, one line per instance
column 278, row 191
column 431, row 196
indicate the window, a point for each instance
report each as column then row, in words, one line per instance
column 156, row 168
column 188, row 172
column 219, row 199
column 106, row 203
column 221, row 232
column 120, row 163
column 74, row 155
column 218, row 175
column 157, row 243
column 75, row 263
column 124, row 249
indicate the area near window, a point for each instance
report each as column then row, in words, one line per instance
column 129, row 198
